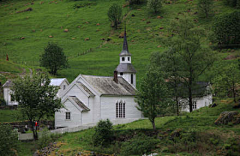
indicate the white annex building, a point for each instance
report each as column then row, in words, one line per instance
column 89, row 99
column 62, row 83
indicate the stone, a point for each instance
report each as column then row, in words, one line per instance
column 66, row 30
column 228, row 116
column 159, row 46
column 73, row 38
column 87, row 39
column 148, row 22
column 22, row 38
column 161, row 28
column 97, row 24
column 50, row 36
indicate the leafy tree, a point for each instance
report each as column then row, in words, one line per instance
column 195, row 58
column 37, row 99
column 115, row 14
column 205, row 8
column 226, row 82
column 8, row 140
column 53, row 58
column 226, row 29
column 154, row 5
column 169, row 63
column 103, row 135
column 232, row 3
column 131, row 2
column 152, row 97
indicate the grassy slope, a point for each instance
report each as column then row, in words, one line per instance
column 52, row 18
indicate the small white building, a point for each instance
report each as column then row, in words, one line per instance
column 62, row 83
column 202, row 97
column 89, row 99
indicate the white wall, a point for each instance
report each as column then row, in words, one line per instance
column 108, row 107
column 127, row 77
column 7, row 96
column 126, row 59
column 60, row 117
column 61, row 89
column 201, row 102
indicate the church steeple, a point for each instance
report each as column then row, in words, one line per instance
column 125, row 69
column 125, row 51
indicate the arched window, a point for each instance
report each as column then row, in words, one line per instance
column 123, row 58
column 120, row 109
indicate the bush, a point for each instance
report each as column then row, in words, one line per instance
column 226, row 29
column 47, row 138
column 2, row 102
column 154, row 5
column 103, row 135
column 139, row 145
column 8, row 140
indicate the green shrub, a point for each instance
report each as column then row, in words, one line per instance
column 139, row 145
column 226, row 29
column 8, row 140
column 154, row 5
column 205, row 8
column 103, row 135
column 2, row 102
column 115, row 14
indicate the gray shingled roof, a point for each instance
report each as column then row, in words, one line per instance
column 125, row 67
column 79, row 103
column 8, row 83
column 106, row 85
column 86, row 89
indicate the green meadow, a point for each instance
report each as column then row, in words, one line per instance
column 90, row 43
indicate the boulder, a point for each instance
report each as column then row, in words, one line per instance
column 97, row 24
column 50, row 36
column 66, row 30
column 87, row 39
column 228, row 116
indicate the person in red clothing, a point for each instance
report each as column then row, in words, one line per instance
column 36, row 124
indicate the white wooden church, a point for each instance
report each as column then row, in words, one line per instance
column 89, row 98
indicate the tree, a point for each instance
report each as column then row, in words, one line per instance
column 53, row 58
column 205, row 8
column 154, row 5
column 226, row 82
column 226, row 29
column 8, row 140
column 36, row 98
column 103, row 133
column 153, row 97
column 195, row 58
column 115, row 14
column 169, row 63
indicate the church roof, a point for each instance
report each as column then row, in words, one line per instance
column 86, row 89
column 125, row 51
column 125, row 67
column 8, row 83
column 79, row 103
column 106, row 86
column 56, row 81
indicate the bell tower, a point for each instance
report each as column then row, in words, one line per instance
column 125, row 69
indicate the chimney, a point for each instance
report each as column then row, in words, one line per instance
column 115, row 78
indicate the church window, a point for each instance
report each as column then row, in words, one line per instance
column 64, row 87
column 131, row 78
column 128, row 58
column 121, row 74
column 194, row 105
column 120, row 109
column 123, row 58
column 68, row 115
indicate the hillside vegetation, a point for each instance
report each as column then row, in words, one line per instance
column 83, row 30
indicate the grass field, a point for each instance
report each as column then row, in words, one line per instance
column 51, row 18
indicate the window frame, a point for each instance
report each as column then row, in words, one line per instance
column 120, row 109
column 68, row 116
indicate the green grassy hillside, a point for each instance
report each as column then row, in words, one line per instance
column 51, row 18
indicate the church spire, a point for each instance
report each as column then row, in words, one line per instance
column 125, row 51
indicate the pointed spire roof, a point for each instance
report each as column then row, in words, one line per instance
column 125, row 51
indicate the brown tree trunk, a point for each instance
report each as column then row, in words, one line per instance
column 177, row 106
column 153, row 124
column 35, row 134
